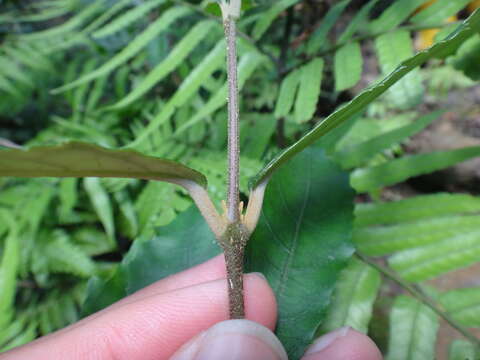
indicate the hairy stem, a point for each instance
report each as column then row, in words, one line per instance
column 233, row 214
column 419, row 295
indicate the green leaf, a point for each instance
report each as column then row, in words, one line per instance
column 415, row 209
column 126, row 19
column 101, row 203
column 429, row 261
column 392, row 48
column 302, row 242
column 413, row 331
column 319, row 38
column 467, row 58
column 132, row 48
column 439, row 11
column 462, row 350
column 286, row 97
column 463, row 305
column 309, row 90
column 381, row 240
column 398, row 170
column 348, row 66
column 358, row 22
column 175, row 57
column 77, row 159
column 396, row 14
column 269, row 16
column 357, row 155
column 10, row 259
column 353, row 298
column 442, row 48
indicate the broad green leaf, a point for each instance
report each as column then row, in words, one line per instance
column 189, row 86
column 429, row 261
column 286, row 97
column 467, row 58
column 398, row 170
column 358, row 22
column 413, row 331
column 348, row 66
column 319, row 38
column 463, row 305
column 302, row 242
column 309, row 89
column 101, row 203
column 77, row 159
column 126, row 19
column 439, row 11
column 269, row 16
column 132, row 48
column 396, row 14
column 171, row 62
column 358, row 154
column 442, row 48
column 381, row 240
column 462, row 350
column 415, row 209
column 392, row 48
column 353, row 298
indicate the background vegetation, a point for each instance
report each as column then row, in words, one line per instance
column 150, row 75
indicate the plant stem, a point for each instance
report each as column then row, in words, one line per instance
column 419, row 295
column 233, row 214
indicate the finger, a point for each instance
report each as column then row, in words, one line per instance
column 153, row 327
column 233, row 340
column 343, row 344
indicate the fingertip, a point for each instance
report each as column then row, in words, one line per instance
column 260, row 302
column 343, row 344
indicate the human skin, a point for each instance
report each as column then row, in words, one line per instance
column 156, row 321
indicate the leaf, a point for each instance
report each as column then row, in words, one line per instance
column 467, row 58
column 68, row 196
column 357, row 155
column 101, row 204
column 302, row 242
column 392, row 48
column 309, row 90
column 132, row 48
column 286, row 97
column 463, row 305
column 126, row 19
column 77, row 159
column 381, row 240
column 462, row 350
column 413, row 331
column 429, row 261
column 396, row 14
column 189, row 86
column 353, row 298
column 439, row 11
column 268, row 16
column 175, row 57
column 319, row 38
column 348, row 66
column 358, row 22
column 398, row 170
column 415, row 208
column 447, row 46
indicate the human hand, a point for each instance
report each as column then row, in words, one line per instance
column 156, row 321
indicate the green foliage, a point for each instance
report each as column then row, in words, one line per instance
column 463, row 305
column 462, row 350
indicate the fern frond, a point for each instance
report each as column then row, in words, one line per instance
column 358, row 22
column 269, row 16
column 171, row 62
column 101, row 203
column 428, row 261
column 395, row 14
column 439, row 11
column 415, row 208
column 462, row 350
column 132, row 49
column 463, row 305
column 126, row 19
column 288, row 91
column 353, row 297
column 398, row 170
column 348, row 66
column 309, row 90
column 413, row 331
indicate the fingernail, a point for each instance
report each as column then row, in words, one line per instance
column 325, row 341
column 260, row 275
column 233, row 340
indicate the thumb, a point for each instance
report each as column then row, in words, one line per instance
column 233, row 340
